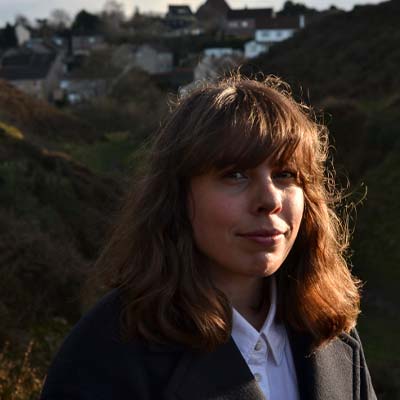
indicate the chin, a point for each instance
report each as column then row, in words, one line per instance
column 264, row 272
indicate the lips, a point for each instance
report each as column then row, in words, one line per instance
column 264, row 236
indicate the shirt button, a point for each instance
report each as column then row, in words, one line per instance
column 258, row 346
column 257, row 376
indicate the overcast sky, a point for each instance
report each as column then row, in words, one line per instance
column 41, row 8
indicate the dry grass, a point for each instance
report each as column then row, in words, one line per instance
column 19, row 380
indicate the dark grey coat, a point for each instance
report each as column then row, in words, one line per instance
column 94, row 364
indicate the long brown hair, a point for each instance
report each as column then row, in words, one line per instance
column 151, row 255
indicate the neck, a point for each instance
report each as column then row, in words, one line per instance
column 249, row 297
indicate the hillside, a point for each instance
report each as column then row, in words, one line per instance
column 40, row 121
column 350, row 54
column 346, row 65
column 53, row 216
column 377, row 259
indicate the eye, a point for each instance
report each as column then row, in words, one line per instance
column 286, row 174
column 235, row 175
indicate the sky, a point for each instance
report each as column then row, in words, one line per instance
column 42, row 8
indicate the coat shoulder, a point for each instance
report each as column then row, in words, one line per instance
column 94, row 362
column 350, row 345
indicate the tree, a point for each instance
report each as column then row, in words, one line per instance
column 22, row 20
column 60, row 19
column 7, row 37
column 294, row 9
column 113, row 16
column 86, row 23
column 114, row 8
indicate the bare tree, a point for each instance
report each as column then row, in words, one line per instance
column 22, row 19
column 113, row 14
column 60, row 19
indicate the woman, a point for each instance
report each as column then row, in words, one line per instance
column 228, row 265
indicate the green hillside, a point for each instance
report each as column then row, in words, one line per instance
column 53, row 215
column 40, row 121
column 350, row 54
column 377, row 259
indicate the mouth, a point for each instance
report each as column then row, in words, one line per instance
column 267, row 237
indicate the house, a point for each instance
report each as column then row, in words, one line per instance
column 83, row 44
column 22, row 33
column 124, row 54
column 242, row 22
column 179, row 17
column 217, row 61
column 278, row 29
column 35, row 73
column 212, row 14
column 153, row 58
column 219, row 52
column 271, row 31
column 253, row 49
column 75, row 90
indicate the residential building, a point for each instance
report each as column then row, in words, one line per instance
column 75, row 90
column 216, row 62
column 271, row 31
column 242, row 22
column 84, row 44
column 153, row 58
column 179, row 17
column 212, row 14
column 22, row 33
column 36, row 73
column 218, row 52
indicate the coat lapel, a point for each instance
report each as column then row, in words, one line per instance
column 219, row 375
column 329, row 373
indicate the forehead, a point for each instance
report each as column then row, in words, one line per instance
column 240, row 128
column 248, row 150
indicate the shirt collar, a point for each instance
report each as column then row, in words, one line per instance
column 274, row 333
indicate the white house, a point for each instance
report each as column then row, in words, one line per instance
column 271, row 31
column 153, row 59
column 218, row 52
column 35, row 73
column 253, row 49
column 215, row 62
column 22, row 33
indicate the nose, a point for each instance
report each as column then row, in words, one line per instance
column 269, row 198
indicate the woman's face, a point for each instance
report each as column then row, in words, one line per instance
column 245, row 222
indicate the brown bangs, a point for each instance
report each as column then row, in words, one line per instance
column 243, row 129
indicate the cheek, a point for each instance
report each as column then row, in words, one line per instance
column 211, row 214
column 297, row 208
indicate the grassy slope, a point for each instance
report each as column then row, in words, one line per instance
column 377, row 257
column 40, row 121
column 354, row 54
column 53, row 214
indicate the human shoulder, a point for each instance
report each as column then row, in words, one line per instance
column 99, row 331
column 94, row 358
column 96, row 362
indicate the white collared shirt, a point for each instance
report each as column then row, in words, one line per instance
column 267, row 353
